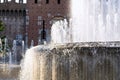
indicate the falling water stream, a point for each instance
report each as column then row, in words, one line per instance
column 91, row 21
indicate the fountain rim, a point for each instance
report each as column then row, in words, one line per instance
column 89, row 44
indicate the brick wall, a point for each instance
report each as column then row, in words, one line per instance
column 13, row 16
column 47, row 13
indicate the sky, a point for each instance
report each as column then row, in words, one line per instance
column 17, row 1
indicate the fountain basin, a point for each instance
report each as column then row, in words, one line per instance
column 73, row 61
column 9, row 72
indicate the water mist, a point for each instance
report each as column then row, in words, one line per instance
column 85, row 47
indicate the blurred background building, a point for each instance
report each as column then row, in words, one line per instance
column 32, row 19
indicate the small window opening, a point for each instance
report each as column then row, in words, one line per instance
column 58, row 1
column 43, row 32
column 47, row 1
column 43, row 35
column 36, row 1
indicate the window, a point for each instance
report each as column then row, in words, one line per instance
column 7, row 12
column 27, row 20
column 36, row 1
column 24, row 12
column 39, row 20
column 20, row 1
column 43, row 35
column 20, row 12
column 43, row 32
column 3, row 12
column 47, row 1
column 11, row 12
column 16, row 12
column 58, row 1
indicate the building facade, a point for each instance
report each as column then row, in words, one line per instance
column 40, row 15
column 31, row 20
column 12, row 14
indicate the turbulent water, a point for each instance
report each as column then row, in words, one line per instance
column 71, row 62
column 91, row 21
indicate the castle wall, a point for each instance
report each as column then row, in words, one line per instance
column 37, row 12
column 13, row 16
column 32, row 20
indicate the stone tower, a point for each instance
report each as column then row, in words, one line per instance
column 13, row 16
column 39, row 18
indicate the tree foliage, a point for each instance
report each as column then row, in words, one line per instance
column 2, row 37
column 1, row 26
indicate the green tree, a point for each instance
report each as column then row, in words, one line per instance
column 1, row 26
column 1, row 36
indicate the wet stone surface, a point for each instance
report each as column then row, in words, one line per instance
column 72, row 62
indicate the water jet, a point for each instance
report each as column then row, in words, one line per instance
column 85, row 48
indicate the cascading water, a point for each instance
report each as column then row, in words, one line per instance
column 14, row 51
column 4, row 51
column 93, row 22
column 10, row 58
column 74, row 61
column 32, row 44
column 23, row 48
column 62, row 29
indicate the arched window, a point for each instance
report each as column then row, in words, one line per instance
column 24, row 12
column 16, row 12
column 20, row 12
column 11, row 12
column 7, row 12
column 3, row 12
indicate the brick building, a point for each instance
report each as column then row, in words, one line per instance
column 12, row 14
column 40, row 14
column 32, row 20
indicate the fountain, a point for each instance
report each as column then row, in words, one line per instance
column 95, row 20
column 23, row 48
column 8, row 70
column 91, row 21
column 10, row 58
column 14, row 51
column 4, row 50
column 86, row 47
column 73, row 61
column 32, row 44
